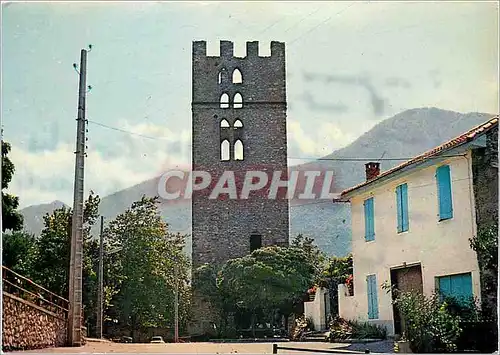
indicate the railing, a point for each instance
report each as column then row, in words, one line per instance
column 276, row 347
column 28, row 290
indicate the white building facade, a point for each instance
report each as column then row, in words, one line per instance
column 411, row 228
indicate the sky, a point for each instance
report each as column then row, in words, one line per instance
column 349, row 65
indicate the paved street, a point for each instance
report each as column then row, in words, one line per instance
column 213, row 348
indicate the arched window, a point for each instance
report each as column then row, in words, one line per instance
column 224, row 101
column 238, row 150
column 238, row 124
column 222, row 75
column 224, row 124
column 224, row 150
column 238, row 100
column 237, row 77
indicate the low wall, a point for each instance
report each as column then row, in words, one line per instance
column 348, row 305
column 318, row 309
column 27, row 326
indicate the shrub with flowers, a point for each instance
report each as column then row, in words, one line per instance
column 312, row 290
column 349, row 282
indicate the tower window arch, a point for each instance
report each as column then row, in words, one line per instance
column 224, row 123
column 224, row 150
column 222, row 75
column 238, row 100
column 238, row 150
column 238, row 124
column 224, row 101
column 237, row 76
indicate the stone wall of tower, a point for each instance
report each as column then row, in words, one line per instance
column 221, row 228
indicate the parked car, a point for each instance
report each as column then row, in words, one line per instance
column 157, row 340
column 125, row 339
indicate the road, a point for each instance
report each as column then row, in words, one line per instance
column 212, row 348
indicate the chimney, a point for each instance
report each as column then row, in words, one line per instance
column 372, row 170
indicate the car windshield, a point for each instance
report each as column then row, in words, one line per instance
column 157, row 338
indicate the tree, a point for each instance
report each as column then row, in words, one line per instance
column 11, row 218
column 150, row 261
column 485, row 244
column 50, row 266
column 315, row 257
column 18, row 250
column 335, row 272
column 268, row 280
column 51, row 255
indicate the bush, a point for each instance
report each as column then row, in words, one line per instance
column 341, row 329
column 428, row 324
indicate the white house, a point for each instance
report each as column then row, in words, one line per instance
column 411, row 227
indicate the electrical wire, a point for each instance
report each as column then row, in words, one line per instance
column 292, row 158
column 321, row 23
column 125, row 131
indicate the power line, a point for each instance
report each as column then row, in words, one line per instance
column 128, row 132
column 321, row 23
column 292, row 158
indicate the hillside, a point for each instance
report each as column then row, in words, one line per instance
column 403, row 136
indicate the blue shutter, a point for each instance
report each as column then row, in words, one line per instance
column 458, row 286
column 443, row 177
column 404, row 207
column 369, row 220
column 371, row 284
column 372, row 220
column 445, row 286
column 399, row 209
column 461, row 286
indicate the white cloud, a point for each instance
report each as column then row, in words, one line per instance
column 297, row 134
column 141, row 159
column 328, row 137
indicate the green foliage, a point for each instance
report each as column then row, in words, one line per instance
column 147, row 263
column 315, row 257
column 50, row 265
column 428, row 324
column 271, row 279
column 335, row 272
column 341, row 329
column 11, row 218
column 18, row 248
column 486, row 246
column 48, row 260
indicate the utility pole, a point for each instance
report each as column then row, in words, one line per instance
column 176, row 305
column 1, row 243
column 76, row 269
column 101, row 282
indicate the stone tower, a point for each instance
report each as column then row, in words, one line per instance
column 239, row 124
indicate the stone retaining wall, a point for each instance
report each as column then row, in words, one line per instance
column 28, row 326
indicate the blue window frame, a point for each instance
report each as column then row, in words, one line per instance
column 371, row 283
column 402, row 207
column 369, row 220
column 443, row 177
column 457, row 286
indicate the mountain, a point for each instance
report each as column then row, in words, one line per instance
column 33, row 215
column 405, row 135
